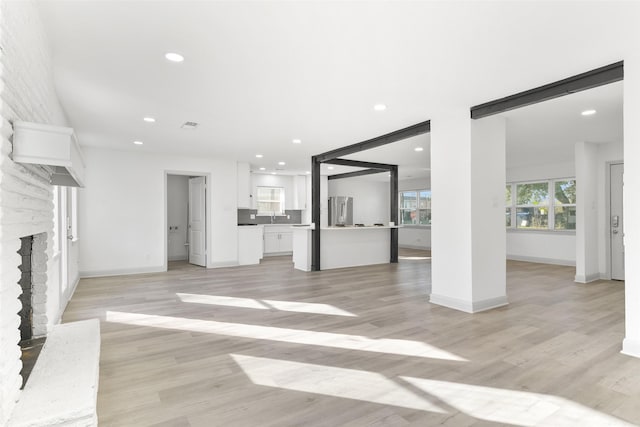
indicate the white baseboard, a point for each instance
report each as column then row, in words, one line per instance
column 121, row 272
column 580, row 278
column 223, row 264
column 468, row 306
column 425, row 248
column 177, row 258
column 538, row 260
column 277, row 254
column 631, row 347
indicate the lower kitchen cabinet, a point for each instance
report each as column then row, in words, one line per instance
column 278, row 240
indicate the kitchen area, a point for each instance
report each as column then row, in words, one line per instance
column 274, row 219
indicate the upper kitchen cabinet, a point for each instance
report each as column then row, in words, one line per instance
column 300, row 192
column 244, row 186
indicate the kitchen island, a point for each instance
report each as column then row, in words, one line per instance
column 343, row 246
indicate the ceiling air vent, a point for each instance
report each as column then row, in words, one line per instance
column 189, row 125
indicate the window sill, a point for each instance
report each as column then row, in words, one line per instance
column 539, row 231
column 416, row 226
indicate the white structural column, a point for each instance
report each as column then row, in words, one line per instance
column 586, row 157
column 468, row 235
column 631, row 344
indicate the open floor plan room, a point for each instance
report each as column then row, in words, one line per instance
column 272, row 346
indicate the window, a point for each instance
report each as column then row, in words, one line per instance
column 507, row 202
column 415, row 207
column 565, row 205
column 529, row 205
column 270, row 200
column 57, row 227
column 532, row 205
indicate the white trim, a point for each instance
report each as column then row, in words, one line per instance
column 538, row 260
column 587, row 279
column 631, row 347
column 223, row 264
column 278, row 253
column 121, row 272
column 72, row 290
column 177, row 258
column 468, row 306
column 541, row 231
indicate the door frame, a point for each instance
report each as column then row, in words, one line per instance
column 207, row 213
column 607, row 213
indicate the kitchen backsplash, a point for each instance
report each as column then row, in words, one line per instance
column 244, row 217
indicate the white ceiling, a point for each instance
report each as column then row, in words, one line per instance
column 258, row 74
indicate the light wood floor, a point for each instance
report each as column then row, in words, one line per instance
column 269, row 345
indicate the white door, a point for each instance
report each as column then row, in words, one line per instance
column 197, row 231
column 616, row 223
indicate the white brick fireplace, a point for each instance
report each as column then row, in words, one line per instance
column 26, row 195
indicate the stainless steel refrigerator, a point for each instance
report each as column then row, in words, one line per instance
column 340, row 211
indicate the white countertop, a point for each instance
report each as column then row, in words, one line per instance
column 349, row 227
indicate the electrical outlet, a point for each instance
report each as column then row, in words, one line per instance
column 288, row 216
column 252, row 216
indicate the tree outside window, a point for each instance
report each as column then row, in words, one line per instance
column 544, row 205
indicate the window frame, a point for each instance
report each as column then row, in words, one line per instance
column 417, row 208
column 551, row 205
column 282, row 201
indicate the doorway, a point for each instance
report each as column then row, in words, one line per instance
column 186, row 218
column 616, row 223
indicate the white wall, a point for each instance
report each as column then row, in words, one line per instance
column 26, row 196
column 124, row 210
column 414, row 237
column 414, row 184
column 177, row 207
column 370, row 198
column 536, row 246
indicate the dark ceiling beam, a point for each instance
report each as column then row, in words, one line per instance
column 355, row 174
column 360, row 164
column 389, row 138
column 600, row 76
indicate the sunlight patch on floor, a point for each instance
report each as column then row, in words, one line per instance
column 330, row 381
column 414, row 258
column 511, row 406
column 220, row 300
column 292, row 306
column 482, row 403
column 295, row 336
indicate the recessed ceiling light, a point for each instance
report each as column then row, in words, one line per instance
column 149, row 119
column 308, row 172
column 174, row 57
column 418, row 149
column 273, row 173
column 297, row 141
column 138, row 142
column 379, row 107
column 259, row 156
column 588, row 112
column 263, row 169
column 330, row 168
column 281, row 163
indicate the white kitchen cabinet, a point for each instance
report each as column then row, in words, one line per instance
column 244, row 186
column 278, row 240
column 299, row 192
column 249, row 245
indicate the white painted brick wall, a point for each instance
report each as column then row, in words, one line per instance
column 26, row 197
